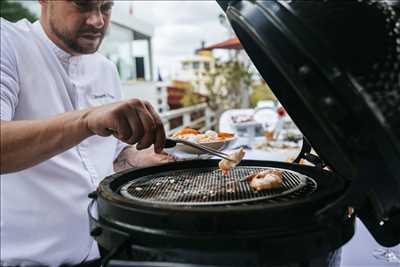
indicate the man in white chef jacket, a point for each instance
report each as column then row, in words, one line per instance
column 63, row 125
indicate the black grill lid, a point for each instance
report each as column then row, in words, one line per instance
column 334, row 66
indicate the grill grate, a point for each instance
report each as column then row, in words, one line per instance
column 208, row 186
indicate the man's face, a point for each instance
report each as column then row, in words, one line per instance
column 79, row 24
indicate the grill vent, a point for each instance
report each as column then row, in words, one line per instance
column 208, row 186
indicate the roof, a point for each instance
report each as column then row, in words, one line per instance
column 232, row 43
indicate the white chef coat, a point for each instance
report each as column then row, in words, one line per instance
column 43, row 208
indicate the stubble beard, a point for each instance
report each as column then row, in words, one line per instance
column 71, row 42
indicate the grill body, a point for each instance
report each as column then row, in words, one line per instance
column 283, row 230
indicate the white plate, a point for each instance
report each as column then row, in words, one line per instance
column 215, row 144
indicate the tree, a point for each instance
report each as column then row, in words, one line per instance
column 191, row 98
column 14, row 11
column 261, row 91
column 228, row 85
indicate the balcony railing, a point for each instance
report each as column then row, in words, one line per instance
column 194, row 116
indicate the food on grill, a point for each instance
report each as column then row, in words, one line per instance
column 236, row 156
column 230, row 187
column 268, row 179
column 195, row 136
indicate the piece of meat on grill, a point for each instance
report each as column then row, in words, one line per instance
column 268, row 179
column 236, row 156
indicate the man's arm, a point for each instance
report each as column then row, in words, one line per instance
column 26, row 143
column 130, row 157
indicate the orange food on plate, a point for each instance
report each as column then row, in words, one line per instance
column 188, row 131
column 195, row 136
column 224, row 135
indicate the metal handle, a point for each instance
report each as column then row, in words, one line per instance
column 305, row 153
column 169, row 143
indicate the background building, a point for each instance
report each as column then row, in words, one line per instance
column 196, row 69
column 128, row 43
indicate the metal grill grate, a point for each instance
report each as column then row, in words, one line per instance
column 208, row 186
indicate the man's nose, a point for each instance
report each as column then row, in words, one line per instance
column 95, row 19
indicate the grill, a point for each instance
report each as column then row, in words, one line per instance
column 334, row 66
column 208, row 186
column 189, row 212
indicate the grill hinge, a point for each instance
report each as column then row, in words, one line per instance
column 305, row 153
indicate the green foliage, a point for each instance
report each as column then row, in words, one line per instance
column 226, row 85
column 14, row 11
column 191, row 98
column 261, row 92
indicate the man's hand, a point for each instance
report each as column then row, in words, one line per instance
column 132, row 121
column 132, row 158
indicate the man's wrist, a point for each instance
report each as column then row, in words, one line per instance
column 84, row 122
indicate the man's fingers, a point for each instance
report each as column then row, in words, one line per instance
column 159, row 140
column 163, row 152
column 132, row 121
column 123, row 129
column 149, row 127
column 135, row 125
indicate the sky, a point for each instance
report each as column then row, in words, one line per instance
column 180, row 26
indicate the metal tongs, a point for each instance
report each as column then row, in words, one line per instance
column 172, row 142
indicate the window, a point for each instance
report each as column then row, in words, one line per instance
column 140, row 71
column 196, row 65
column 117, row 47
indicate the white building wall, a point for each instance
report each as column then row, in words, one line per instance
column 197, row 76
column 154, row 92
